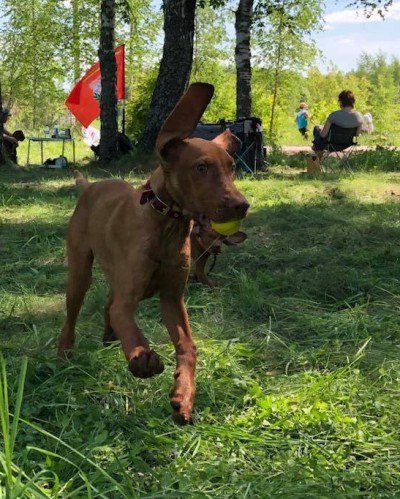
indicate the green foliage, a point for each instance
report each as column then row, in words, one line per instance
column 382, row 160
column 138, row 105
column 283, row 41
column 375, row 86
column 213, row 61
column 40, row 57
column 383, row 97
column 31, row 72
column 9, row 429
column 47, row 45
column 371, row 6
column 142, row 52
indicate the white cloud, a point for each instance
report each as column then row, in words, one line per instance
column 345, row 41
column 349, row 16
column 339, row 53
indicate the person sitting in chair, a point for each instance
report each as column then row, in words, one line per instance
column 345, row 117
column 10, row 140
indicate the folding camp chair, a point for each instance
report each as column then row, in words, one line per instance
column 341, row 143
column 251, row 156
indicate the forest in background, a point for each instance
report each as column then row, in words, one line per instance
column 41, row 59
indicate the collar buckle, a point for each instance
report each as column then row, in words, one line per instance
column 158, row 205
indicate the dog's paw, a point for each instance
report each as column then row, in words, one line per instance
column 109, row 337
column 146, row 364
column 182, row 410
column 182, row 403
column 181, row 415
column 64, row 353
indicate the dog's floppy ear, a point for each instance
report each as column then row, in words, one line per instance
column 228, row 141
column 234, row 239
column 185, row 115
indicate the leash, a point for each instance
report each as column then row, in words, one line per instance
column 213, row 264
column 207, row 251
column 149, row 196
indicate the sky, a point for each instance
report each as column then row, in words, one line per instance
column 348, row 33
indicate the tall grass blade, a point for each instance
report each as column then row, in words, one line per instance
column 10, row 432
column 5, row 426
column 18, row 403
column 82, row 456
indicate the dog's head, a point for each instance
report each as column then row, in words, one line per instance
column 199, row 173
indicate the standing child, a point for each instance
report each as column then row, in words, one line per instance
column 302, row 119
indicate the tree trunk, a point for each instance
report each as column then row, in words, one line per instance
column 108, row 68
column 76, row 47
column 275, row 92
column 277, row 72
column 175, row 66
column 34, row 65
column 243, row 22
column 2, row 154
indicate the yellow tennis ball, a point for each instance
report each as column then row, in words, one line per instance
column 226, row 228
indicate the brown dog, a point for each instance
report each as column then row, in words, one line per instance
column 206, row 242
column 141, row 240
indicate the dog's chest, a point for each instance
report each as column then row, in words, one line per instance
column 170, row 267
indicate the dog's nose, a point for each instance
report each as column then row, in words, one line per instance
column 240, row 206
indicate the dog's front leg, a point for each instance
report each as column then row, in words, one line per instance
column 176, row 319
column 143, row 362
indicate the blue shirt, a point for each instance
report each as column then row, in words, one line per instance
column 301, row 119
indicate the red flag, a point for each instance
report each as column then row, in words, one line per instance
column 84, row 100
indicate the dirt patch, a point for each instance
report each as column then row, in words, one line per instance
column 292, row 150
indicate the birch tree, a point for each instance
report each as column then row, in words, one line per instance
column 284, row 37
column 243, row 23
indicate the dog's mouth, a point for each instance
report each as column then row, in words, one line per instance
column 233, row 209
column 230, row 207
column 203, row 220
column 220, row 216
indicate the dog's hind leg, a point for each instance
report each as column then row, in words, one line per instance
column 80, row 263
column 109, row 334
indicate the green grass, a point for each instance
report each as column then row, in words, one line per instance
column 298, row 374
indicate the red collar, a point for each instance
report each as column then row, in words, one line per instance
column 149, row 196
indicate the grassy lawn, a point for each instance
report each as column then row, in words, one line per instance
column 52, row 150
column 299, row 366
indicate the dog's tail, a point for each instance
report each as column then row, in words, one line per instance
column 81, row 182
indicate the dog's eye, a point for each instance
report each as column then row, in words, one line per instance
column 202, row 168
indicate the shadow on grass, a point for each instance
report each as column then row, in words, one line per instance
column 314, row 281
column 318, row 272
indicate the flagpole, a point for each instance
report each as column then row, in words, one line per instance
column 123, row 116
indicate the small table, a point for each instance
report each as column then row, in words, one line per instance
column 41, row 140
